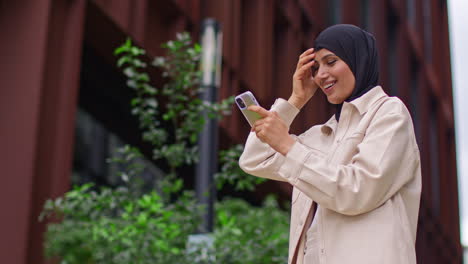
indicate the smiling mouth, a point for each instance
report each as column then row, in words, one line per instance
column 327, row 88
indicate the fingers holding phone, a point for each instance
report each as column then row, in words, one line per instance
column 243, row 102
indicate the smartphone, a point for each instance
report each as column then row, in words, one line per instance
column 243, row 101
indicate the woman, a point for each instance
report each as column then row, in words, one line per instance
column 356, row 179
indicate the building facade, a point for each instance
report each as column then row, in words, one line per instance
column 57, row 63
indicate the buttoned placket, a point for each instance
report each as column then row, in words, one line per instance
column 338, row 134
column 331, row 132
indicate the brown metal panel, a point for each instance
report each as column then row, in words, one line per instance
column 118, row 11
column 424, row 149
column 161, row 18
column 21, row 71
column 452, row 159
column 399, row 6
column 195, row 11
column 445, row 181
column 293, row 14
column 423, row 252
column 228, row 31
column 138, row 20
column 446, row 71
column 433, row 79
column 420, row 17
column 450, row 191
column 379, row 30
column 57, row 113
column 236, row 42
column 286, row 50
column 307, row 7
column 227, row 124
column 256, row 33
column 404, row 62
column 415, row 42
column 350, row 12
column 214, row 9
column 320, row 13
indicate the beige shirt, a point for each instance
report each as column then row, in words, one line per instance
column 363, row 172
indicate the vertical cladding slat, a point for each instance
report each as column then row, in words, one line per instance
column 247, row 37
column 447, row 76
column 159, row 28
column 57, row 113
column 228, row 39
column 379, row 30
column 119, row 11
column 21, row 71
column 237, row 40
column 350, row 11
column 437, row 61
column 403, row 64
column 138, row 20
column 423, row 147
column 195, row 12
column 256, row 31
column 419, row 16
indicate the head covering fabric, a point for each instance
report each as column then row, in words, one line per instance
column 358, row 49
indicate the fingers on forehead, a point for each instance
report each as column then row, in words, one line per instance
column 307, row 52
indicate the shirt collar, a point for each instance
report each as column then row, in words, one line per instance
column 364, row 102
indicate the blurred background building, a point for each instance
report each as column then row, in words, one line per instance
column 64, row 104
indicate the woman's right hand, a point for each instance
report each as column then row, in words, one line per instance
column 304, row 86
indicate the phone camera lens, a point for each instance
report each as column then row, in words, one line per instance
column 240, row 102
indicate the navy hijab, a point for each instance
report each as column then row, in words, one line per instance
column 358, row 49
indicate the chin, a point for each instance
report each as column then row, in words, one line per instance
column 334, row 100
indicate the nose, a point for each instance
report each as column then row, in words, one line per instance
column 321, row 75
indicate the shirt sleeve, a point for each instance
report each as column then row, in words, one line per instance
column 386, row 160
column 258, row 158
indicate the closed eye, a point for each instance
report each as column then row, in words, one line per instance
column 331, row 62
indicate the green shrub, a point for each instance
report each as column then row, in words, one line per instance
column 246, row 234
column 130, row 224
column 114, row 226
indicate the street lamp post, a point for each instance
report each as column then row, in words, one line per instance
column 211, row 42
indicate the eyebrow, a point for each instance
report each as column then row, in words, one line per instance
column 326, row 56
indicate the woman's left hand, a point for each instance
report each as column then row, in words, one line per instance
column 272, row 130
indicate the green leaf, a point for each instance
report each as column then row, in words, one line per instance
column 130, row 72
column 123, row 60
column 135, row 101
column 143, row 77
column 123, row 48
column 135, row 51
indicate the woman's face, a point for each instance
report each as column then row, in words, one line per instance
column 333, row 76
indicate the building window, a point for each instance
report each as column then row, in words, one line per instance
column 334, row 12
column 434, row 158
column 94, row 146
